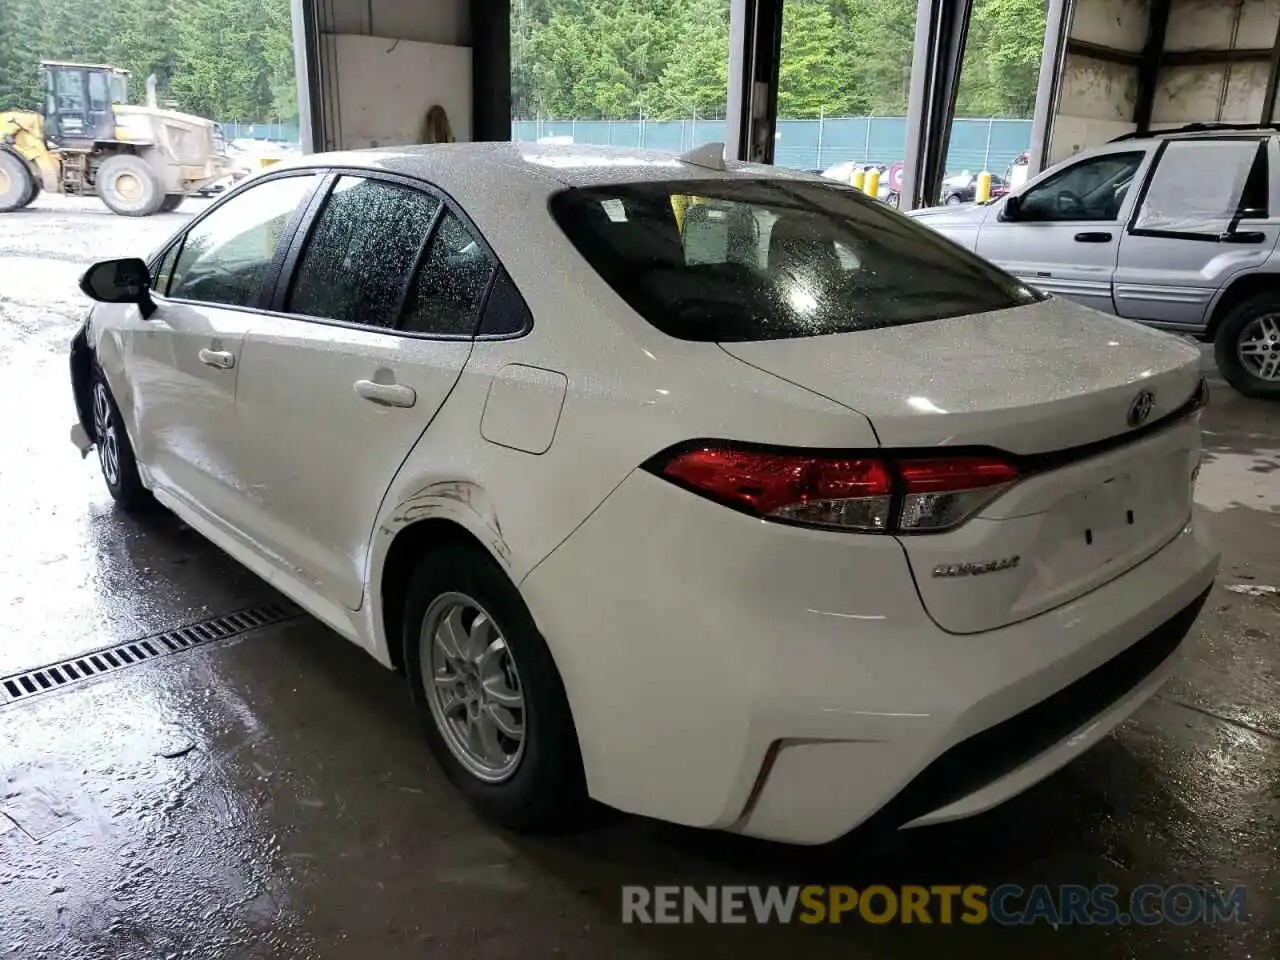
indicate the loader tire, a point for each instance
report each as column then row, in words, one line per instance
column 129, row 187
column 17, row 185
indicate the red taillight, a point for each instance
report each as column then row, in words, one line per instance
column 954, row 473
column 845, row 492
column 942, row 493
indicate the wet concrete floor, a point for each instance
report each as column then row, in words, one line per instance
column 270, row 796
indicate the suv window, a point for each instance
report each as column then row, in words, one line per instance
column 361, row 252
column 447, row 297
column 226, row 256
column 1092, row 189
column 1182, row 198
column 771, row 259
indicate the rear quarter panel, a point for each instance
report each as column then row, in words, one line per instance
column 630, row 392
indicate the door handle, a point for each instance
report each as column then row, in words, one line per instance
column 386, row 394
column 222, row 359
column 1091, row 237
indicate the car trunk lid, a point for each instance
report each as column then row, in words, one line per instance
column 1035, row 378
column 1084, row 405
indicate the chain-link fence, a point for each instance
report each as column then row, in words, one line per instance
column 976, row 144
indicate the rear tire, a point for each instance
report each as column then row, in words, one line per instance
column 172, row 202
column 1247, row 347
column 533, row 782
column 17, row 185
column 129, row 187
column 115, row 452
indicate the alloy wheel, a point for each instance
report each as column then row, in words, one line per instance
column 1259, row 347
column 472, row 686
column 104, row 425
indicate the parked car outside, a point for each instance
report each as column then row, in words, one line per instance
column 843, row 172
column 963, row 188
column 770, row 518
column 1177, row 230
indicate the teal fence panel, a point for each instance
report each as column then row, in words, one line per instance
column 241, row 130
column 976, row 144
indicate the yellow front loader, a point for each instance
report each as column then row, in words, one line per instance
column 88, row 140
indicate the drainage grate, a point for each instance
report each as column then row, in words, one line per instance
column 56, row 676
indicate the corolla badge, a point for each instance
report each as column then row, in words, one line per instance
column 975, row 569
column 1140, row 409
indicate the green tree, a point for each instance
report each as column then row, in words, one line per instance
column 144, row 43
column 696, row 77
column 19, row 40
column 223, row 70
column 817, row 71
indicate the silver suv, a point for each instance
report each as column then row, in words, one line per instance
column 1177, row 230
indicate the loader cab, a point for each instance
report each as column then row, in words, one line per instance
column 78, row 101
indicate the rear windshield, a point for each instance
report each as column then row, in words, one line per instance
column 770, row 259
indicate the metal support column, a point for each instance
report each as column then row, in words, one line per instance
column 491, row 70
column 306, row 58
column 1057, row 31
column 941, row 27
column 1273, row 80
column 1149, row 66
column 755, row 51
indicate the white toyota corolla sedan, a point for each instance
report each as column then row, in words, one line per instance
column 721, row 495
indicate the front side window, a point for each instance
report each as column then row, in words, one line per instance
column 447, row 297
column 69, row 90
column 1185, row 198
column 164, row 270
column 226, row 257
column 770, row 259
column 361, row 252
column 1093, row 189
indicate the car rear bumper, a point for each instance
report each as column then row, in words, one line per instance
column 786, row 683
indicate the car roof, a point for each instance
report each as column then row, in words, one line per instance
column 1203, row 131
column 469, row 171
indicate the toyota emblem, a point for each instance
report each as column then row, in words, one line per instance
column 1140, row 409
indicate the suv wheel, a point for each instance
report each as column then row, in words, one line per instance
column 1247, row 346
column 490, row 696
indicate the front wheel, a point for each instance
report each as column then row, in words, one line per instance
column 115, row 452
column 1247, row 347
column 17, row 186
column 35, row 192
column 491, row 699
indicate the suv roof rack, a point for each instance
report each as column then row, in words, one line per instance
column 1197, row 128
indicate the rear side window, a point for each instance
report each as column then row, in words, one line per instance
column 98, row 99
column 771, row 259
column 1182, row 199
column 447, row 297
column 361, row 252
